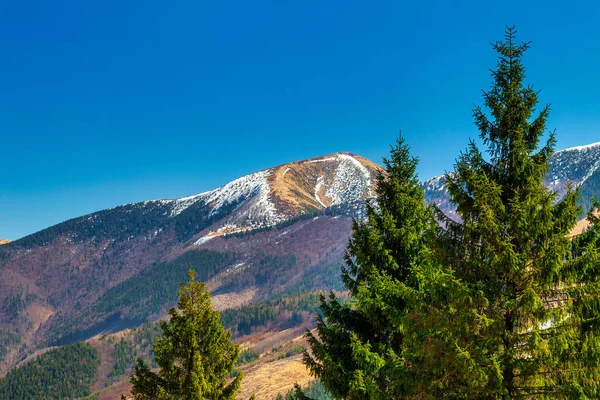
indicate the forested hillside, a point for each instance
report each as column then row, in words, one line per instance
column 63, row 373
column 123, row 266
column 277, row 229
column 141, row 296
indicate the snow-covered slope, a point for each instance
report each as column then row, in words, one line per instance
column 268, row 197
column 281, row 193
column 257, row 200
column 579, row 166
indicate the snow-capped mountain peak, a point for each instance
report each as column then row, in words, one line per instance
column 271, row 196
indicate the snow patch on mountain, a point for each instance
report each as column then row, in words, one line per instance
column 580, row 148
column 574, row 165
column 591, row 171
column 321, row 160
column 181, row 204
column 237, row 190
column 317, row 188
column 351, row 180
column 202, row 240
column 251, row 196
column 435, row 184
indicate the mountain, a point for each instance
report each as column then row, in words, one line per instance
column 266, row 244
column 579, row 166
column 253, row 238
column 258, row 200
column 4, row 241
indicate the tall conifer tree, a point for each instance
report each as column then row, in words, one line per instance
column 357, row 353
column 195, row 353
column 502, row 304
column 540, row 335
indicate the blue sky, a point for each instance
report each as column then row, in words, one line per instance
column 108, row 102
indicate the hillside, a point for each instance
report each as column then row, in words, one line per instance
column 4, row 241
column 283, row 229
column 266, row 244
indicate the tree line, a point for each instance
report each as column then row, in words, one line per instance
column 63, row 373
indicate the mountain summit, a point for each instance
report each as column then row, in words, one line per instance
column 277, row 194
column 259, row 200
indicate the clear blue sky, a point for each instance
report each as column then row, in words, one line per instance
column 108, row 102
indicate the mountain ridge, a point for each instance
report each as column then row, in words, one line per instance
column 275, row 232
column 263, row 198
column 578, row 166
column 301, row 210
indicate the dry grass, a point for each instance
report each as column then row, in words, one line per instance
column 224, row 301
column 38, row 313
column 267, row 378
column 294, row 190
column 580, row 227
column 293, row 184
column 107, row 361
column 114, row 392
column 274, row 373
column 265, row 341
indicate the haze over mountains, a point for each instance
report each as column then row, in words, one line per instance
column 266, row 237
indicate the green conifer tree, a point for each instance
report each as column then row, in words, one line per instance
column 357, row 353
column 538, row 335
column 194, row 353
column 503, row 304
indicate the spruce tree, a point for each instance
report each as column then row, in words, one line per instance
column 357, row 352
column 538, row 331
column 194, row 353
